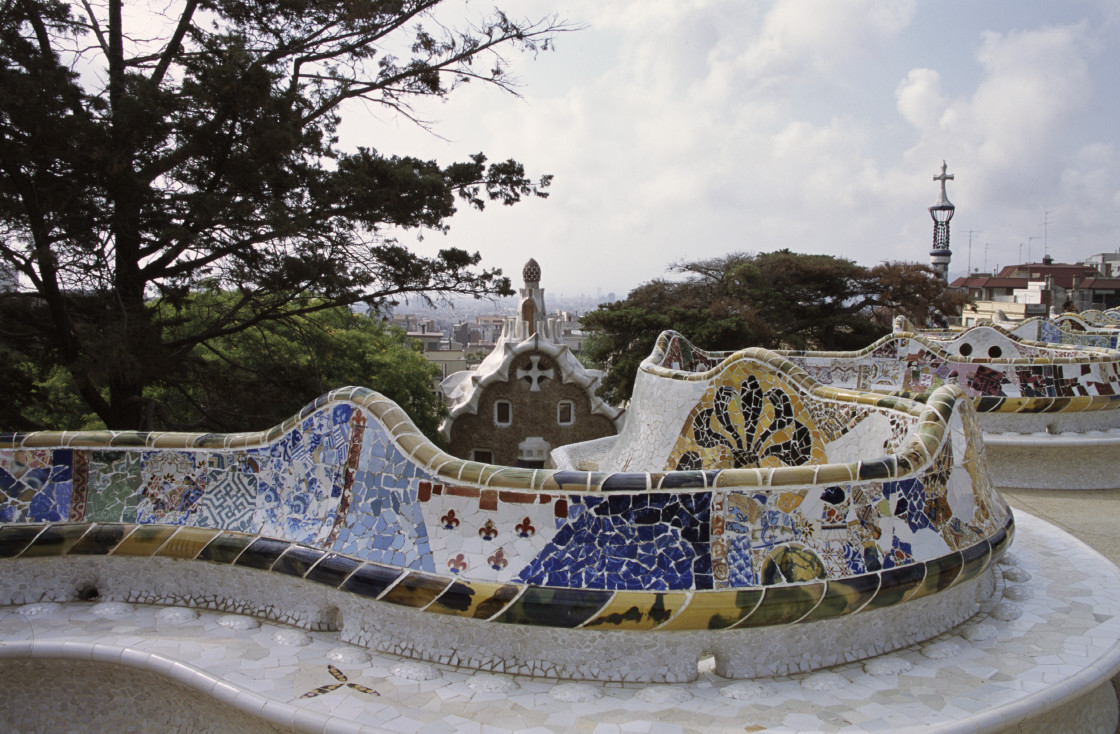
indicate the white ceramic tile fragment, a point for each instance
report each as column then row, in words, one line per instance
column 176, row 615
column 112, row 609
column 414, row 671
column 941, row 649
column 289, row 637
column 887, row 665
column 238, row 622
column 575, row 692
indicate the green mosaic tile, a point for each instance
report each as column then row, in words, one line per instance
column 941, row 573
column 56, row 540
column 417, row 590
column 15, row 538
column 145, row 540
column 845, row 596
column 101, row 539
column 555, row 607
column 225, row 548
column 114, row 486
column 784, row 604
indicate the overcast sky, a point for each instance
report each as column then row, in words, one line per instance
column 687, row 129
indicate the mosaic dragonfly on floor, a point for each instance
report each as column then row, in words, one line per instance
column 339, row 676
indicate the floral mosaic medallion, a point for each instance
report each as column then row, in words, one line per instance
column 747, row 418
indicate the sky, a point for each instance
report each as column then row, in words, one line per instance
column 680, row 130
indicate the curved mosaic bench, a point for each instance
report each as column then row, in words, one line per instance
column 1066, row 329
column 1062, row 428
column 1096, row 317
column 1046, row 410
column 347, row 517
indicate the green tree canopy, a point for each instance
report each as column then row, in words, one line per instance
column 142, row 159
column 258, row 377
column 262, row 375
column 777, row 300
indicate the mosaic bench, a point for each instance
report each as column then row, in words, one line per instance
column 345, row 517
column 1049, row 406
column 1066, row 329
column 1046, row 409
column 1096, row 317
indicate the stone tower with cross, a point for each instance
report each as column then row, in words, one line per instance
column 529, row 396
column 942, row 211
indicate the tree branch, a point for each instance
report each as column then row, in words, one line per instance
column 174, row 45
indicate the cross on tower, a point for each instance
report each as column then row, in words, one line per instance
column 943, row 178
column 534, row 375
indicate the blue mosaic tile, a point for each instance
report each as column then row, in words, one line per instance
column 908, row 499
column 653, row 542
column 229, row 501
column 51, row 503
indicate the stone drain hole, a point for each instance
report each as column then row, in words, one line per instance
column 88, row 592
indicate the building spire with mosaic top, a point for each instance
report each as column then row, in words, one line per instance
column 942, row 211
column 530, row 311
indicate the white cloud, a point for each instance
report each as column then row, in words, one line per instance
column 688, row 129
column 1035, row 82
column 921, row 101
column 821, row 36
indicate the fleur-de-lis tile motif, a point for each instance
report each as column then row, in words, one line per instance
column 498, row 561
column 341, row 677
column 458, row 564
column 449, row 521
column 525, row 528
column 489, row 531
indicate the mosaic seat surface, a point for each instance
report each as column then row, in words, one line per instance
column 761, row 516
column 1068, row 330
column 1003, row 373
column 1050, row 412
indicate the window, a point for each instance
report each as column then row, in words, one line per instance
column 484, row 456
column 565, row 412
column 503, row 412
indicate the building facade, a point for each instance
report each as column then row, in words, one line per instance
column 1037, row 289
column 529, row 396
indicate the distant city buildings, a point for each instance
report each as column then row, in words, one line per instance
column 1038, row 289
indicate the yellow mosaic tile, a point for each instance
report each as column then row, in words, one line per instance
column 474, row 599
column 638, row 610
column 714, row 610
column 188, row 542
column 145, row 540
